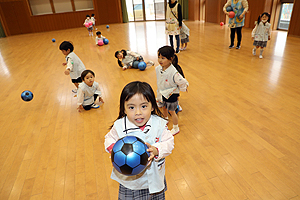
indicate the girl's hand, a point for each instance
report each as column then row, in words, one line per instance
column 67, row 72
column 64, row 64
column 241, row 16
column 269, row 38
column 153, row 152
column 80, row 108
column 226, row 13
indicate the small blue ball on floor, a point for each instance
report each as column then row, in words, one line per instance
column 142, row 66
column 27, row 95
column 53, row 40
column 107, row 26
column 105, row 41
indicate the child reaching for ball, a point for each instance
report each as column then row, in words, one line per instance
column 139, row 116
column 99, row 37
column 169, row 83
column 261, row 33
column 88, row 92
column 74, row 65
column 126, row 59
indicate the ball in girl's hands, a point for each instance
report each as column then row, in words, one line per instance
column 229, row 8
column 231, row 14
column 129, row 155
column 86, row 25
column 90, row 23
column 105, row 41
column 100, row 42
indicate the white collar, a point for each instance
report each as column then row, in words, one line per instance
column 129, row 127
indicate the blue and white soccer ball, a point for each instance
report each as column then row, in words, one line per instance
column 27, row 95
column 129, row 155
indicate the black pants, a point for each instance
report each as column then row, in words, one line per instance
column 238, row 31
column 88, row 107
column 177, row 42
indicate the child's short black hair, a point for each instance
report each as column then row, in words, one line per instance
column 93, row 15
column 98, row 33
column 88, row 16
column 65, row 45
column 85, row 72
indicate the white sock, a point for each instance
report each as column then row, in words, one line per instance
column 261, row 52
column 175, row 126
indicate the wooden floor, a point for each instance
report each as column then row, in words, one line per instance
column 240, row 124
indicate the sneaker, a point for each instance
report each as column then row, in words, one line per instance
column 179, row 108
column 177, row 51
column 175, row 131
column 74, row 91
column 231, row 46
column 260, row 56
column 238, row 47
column 95, row 106
column 184, row 48
column 181, row 49
column 150, row 62
column 254, row 52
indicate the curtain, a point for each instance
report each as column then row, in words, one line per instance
column 2, row 34
column 124, row 11
column 185, row 8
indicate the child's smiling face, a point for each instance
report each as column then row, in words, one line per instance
column 138, row 110
column 120, row 55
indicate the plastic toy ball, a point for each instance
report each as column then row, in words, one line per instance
column 221, row 23
column 86, row 25
column 27, row 95
column 100, row 42
column 90, row 23
column 229, row 8
column 142, row 66
column 53, row 40
column 231, row 14
column 105, row 41
column 129, row 155
column 135, row 64
column 107, row 26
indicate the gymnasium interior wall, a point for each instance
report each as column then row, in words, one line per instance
column 16, row 17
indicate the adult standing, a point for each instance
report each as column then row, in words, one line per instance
column 239, row 7
column 174, row 22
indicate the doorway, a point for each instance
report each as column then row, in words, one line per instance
column 145, row 10
column 285, row 16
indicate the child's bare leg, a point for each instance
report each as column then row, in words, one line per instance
column 174, row 117
column 76, row 85
column 185, row 46
column 165, row 112
column 175, row 128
